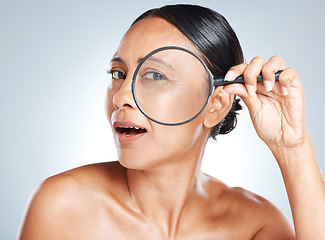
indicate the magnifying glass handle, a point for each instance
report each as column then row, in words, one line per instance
column 221, row 81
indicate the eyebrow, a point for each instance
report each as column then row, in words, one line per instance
column 120, row 60
column 159, row 61
column 117, row 59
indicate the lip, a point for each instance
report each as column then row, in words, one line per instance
column 127, row 139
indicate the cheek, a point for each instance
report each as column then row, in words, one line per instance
column 108, row 106
column 177, row 140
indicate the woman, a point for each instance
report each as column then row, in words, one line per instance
column 156, row 190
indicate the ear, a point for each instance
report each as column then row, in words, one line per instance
column 219, row 105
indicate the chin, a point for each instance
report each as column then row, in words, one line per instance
column 141, row 161
column 133, row 164
column 132, row 160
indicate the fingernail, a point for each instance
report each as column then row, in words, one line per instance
column 230, row 76
column 223, row 92
column 284, row 91
column 250, row 90
column 268, row 85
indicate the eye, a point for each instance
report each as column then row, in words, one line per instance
column 154, row 76
column 116, row 74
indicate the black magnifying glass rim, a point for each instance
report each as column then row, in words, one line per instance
column 211, row 87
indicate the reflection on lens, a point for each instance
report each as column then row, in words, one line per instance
column 171, row 86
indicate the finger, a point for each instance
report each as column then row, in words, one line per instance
column 272, row 66
column 251, row 73
column 235, row 71
column 286, row 80
column 231, row 75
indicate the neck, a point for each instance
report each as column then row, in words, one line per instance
column 161, row 194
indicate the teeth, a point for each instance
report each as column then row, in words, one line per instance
column 128, row 130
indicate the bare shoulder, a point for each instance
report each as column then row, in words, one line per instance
column 242, row 214
column 64, row 199
column 265, row 219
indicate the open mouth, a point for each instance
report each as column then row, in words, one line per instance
column 130, row 131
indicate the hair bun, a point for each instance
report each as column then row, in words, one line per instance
column 230, row 121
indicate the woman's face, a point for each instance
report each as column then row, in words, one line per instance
column 141, row 143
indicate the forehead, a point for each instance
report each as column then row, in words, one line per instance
column 147, row 35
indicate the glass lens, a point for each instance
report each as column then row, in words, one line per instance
column 171, row 86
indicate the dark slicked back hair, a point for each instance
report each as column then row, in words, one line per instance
column 214, row 38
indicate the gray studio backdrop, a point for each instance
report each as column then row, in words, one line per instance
column 53, row 61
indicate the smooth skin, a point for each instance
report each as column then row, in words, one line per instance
column 157, row 191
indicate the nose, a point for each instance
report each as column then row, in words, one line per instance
column 123, row 97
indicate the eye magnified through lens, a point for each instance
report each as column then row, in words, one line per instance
column 172, row 85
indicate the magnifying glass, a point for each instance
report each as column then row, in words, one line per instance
column 172, row 85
